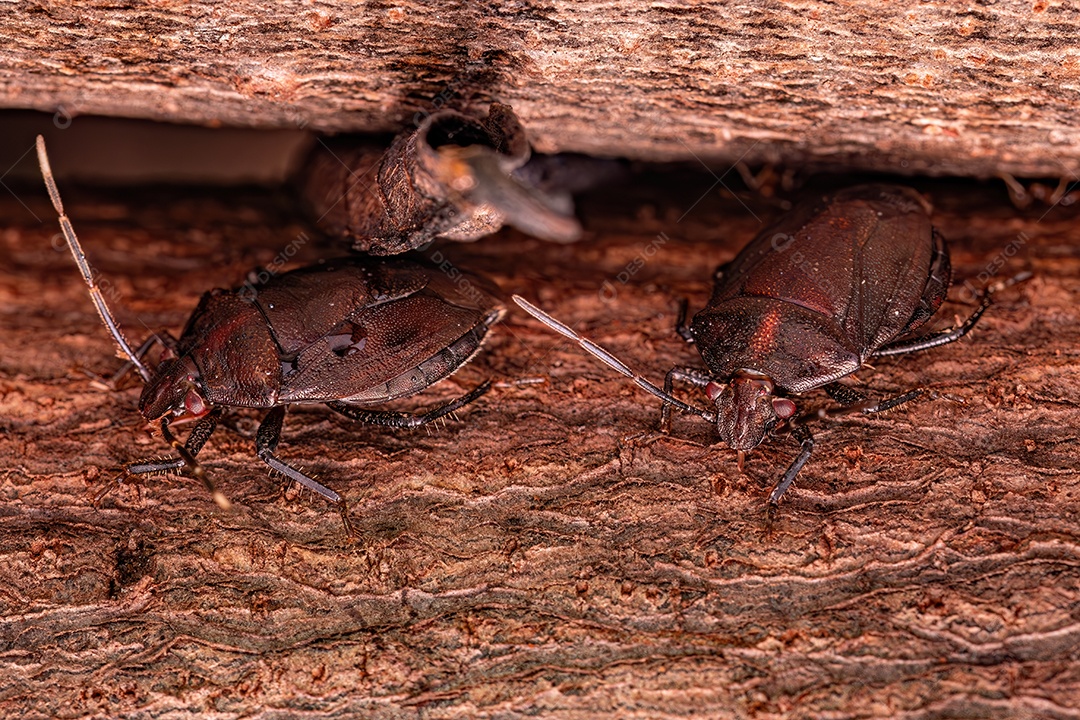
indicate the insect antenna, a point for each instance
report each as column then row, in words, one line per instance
column 84, row 266
column 608, row 359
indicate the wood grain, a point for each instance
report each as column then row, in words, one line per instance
column 549, row 553
column 902, row 87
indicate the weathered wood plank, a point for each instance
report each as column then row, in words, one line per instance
column 906, row 87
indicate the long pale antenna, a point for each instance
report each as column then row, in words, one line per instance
column 84, row 267
column 608, row 359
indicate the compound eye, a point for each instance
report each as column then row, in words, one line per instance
column 783, row 408
column 194, row 404
column 713, row 390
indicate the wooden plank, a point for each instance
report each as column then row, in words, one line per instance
column 906, row 87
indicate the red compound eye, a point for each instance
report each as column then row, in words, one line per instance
column 783, row 408
column 713, row 390
column 194, row 404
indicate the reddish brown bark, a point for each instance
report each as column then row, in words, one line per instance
column 550, row 553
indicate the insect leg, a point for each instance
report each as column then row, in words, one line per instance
column 953, row 334
column 890, row 403
column 202, row 431
column 845, row 395
column 855, row 401
column 802, row 434
column 197, row 438
column 680, row 323
column 694, row 376
column 939, row 338
column 404, row 419
column 266, row 442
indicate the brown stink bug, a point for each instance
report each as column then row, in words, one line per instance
column 348, row 333
column 839, row 280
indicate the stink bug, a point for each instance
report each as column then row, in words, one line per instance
column 836, row 282
column 348, row 333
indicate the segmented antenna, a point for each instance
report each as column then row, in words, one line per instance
column 608, row 359
column 84, row 267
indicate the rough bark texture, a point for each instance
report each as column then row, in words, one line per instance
column 913, row 87
column 549, row 554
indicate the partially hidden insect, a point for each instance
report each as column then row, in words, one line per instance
column 836, row 282
column 450, row 178
column 348, row 333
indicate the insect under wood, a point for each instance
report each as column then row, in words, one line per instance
column 450, row 178
column 838, row 281
column 348, row 333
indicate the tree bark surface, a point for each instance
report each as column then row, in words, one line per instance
column 907, row 87
column 548, row 553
